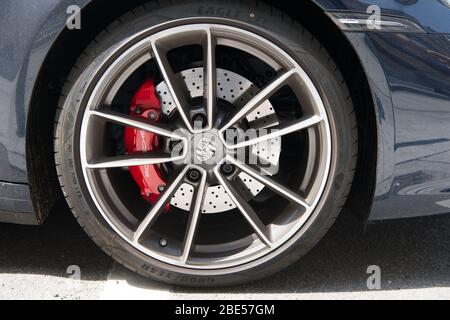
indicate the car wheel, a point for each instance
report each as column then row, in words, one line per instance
column 205, row 143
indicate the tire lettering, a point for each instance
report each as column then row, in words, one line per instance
column 219, row 12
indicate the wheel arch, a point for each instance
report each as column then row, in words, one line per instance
column 69, row 46
column 65, row 50
column 343, row 52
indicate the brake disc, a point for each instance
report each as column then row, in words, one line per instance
column 236, row 90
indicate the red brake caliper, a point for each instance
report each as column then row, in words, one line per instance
column 146, row 104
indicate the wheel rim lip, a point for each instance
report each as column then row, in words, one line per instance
column 258, row 251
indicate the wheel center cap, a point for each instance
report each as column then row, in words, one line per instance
column 206, row 149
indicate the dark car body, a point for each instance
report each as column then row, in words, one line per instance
column 408, row 74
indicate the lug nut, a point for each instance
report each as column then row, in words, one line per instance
column 163, row 242
column 199, row 120
column 173, row 144
column 161, row 188
column 194, row 175
column 227, row 169
column 176, row 148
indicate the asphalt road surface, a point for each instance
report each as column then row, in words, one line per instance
column 414, row 257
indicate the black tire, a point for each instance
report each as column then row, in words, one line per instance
column 258, row 18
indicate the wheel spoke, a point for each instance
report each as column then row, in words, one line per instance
column 279, row 131
column 131, row 160
column 159, row 206
column 210, row 77
column 259, row 99
column 175, row 89
column 194, row 218
column 275, row 186
column 135, row 122
column 247, row 211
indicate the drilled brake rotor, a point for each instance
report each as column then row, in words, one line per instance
column 236, row 90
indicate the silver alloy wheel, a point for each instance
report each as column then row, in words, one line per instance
column 265, row 238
